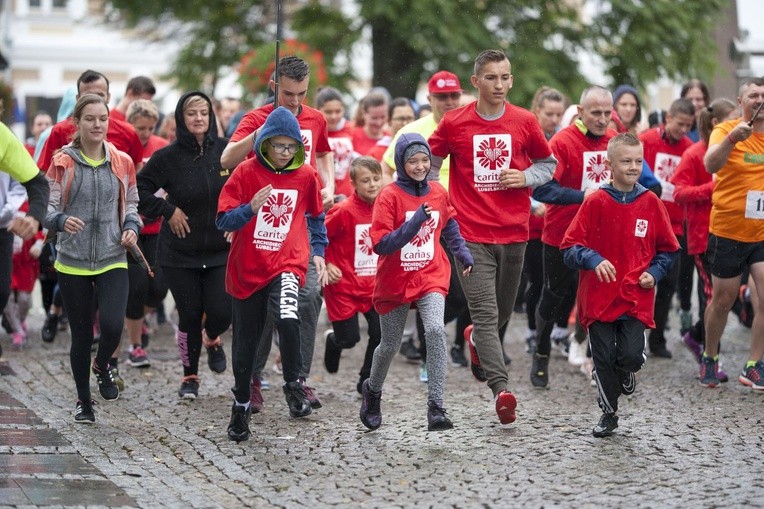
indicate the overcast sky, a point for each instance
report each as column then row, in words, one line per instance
column 750, row 14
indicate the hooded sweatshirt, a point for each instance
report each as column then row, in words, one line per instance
column 276, row 241
column 412, row 262
column 633, row 231
column 192, row 176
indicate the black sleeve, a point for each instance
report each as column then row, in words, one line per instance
column 38, row 192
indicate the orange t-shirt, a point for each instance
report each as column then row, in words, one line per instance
column 738, row 199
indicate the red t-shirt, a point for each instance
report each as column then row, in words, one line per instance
column 580, row 166
column 663, row 157
column 348, row 226
column 312, row 127
column 276, row 239
column 535, row 227
column 115, row 113
column 489, row 213
column 154, row 144
column 421, row 266
column 363, row 144
column 628, row 235
column 693, row 189
column 341, row 143
column 121, row 134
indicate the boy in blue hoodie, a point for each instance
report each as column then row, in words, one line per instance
column 265, row 203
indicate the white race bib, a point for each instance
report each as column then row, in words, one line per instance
column 754, row 205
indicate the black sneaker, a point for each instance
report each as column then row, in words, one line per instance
column 540, row 371
column 84, row 412
column 410, row 351
column 628, row 383
column 106, row 384
column 6, row 325
column 608, row 423
column 371, row 413
column 238, row 426
column 299, row 406
column 216, row 357
column 661, row 351
column 332, row 352
column 49, row 328
column 359, row 385
column 189, row 387
column 436, row 418
column 457, row 357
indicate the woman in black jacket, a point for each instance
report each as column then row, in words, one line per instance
column 192, row 251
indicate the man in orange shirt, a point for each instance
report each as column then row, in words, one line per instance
column 736, row 241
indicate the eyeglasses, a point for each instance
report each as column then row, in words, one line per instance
column 403, row 119
column 283, row 148
column 452, row 95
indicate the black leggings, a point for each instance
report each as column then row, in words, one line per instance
column 202, row 304
column 145, row 291
column 110, row 291
column 6, row 265
column 347, row 334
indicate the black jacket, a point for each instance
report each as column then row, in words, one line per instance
column 192, row 177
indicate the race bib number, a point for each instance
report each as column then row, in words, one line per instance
column 754, row 205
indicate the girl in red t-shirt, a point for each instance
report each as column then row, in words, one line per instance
column 351, row 264
column 409, row 218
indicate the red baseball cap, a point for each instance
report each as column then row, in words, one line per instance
column 444, row 82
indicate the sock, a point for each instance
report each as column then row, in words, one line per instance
column 245, row 406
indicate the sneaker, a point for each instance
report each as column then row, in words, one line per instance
column 84, row 412
column 19, row 340
column 540, row 371
column 49, row 328
column 117, row 378
column 296, row 399
column 371, row 413
column 660, row 351
column 685, row 321
column 721, row 374
column 477, row 371
column 256, row 400
column 410, row 351
column 423, row 373
column 6, row 325
column 708, row 369
column 264, row 383
column 530, row 341
column 189, row 387
column 315, row 403
column 505, row 407
column 457, row 357
column 436, row 417
column 138, row 358
column 608, row 423
column 628, row 383
column 238, row 426
column 693, row 345
column 577, row 352
column 359, row 385
column 753, row 377
column 106, row 384
column 215, row 353
column 562, row 344
column 332, row 352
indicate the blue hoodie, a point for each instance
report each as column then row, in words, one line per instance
column 402, row 235
column 280, row 122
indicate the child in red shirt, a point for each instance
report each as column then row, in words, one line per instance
column 351, row 265
column 409, row 218
column 622, row 242
column 265, row 202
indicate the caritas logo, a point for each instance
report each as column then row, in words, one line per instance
column 492, row 154
column 278, row 210
column 365, row 243
column 596, row 171
column 424, row 233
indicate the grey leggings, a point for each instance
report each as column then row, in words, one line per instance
column 431, row 308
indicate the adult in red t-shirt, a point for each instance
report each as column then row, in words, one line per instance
column 139, row 87
column 370, row 131
column 664, row 147
column 331, row 105
column 581, row 150
column 498, row 152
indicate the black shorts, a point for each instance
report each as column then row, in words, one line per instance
column 728, row 258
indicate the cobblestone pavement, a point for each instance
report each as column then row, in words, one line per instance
column 678, row 444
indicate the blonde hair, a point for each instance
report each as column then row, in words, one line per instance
column 142, row 108
column 82, row 102
column 195, row 100
column 624, row 139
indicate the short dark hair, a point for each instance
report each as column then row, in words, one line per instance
column 397, row 103
column 367, row 162
column 90, row 76
column 627, row 138
column 487, row 56
column 294, row 68
column 696, row 83
column 682, row 106
column 328, row 94
column 141, row 85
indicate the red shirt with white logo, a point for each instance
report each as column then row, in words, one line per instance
column 488, row 212
column 421, row 266
column 348, row 226
column 628, row 235
column 155, row 143
column 341, row 143
column 664, row 157
column 312, row 127
column 693, row 190
column 364, row 145
column 580, row 166
column 276, row 239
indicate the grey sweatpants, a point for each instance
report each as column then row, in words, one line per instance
column 431, row 308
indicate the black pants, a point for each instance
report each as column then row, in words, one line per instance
column 533, row 268
column 145, row 291
column 202, row 304
column 664, row 295
column 280, row 300
column 109, row 289
column 616, row 347
column 559, row 280
column 6, row 265
column 684, row 278
column 347, row 334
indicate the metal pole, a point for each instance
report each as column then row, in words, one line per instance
column 278, row 39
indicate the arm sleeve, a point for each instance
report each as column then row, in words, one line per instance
column 553, row 192
column 581, row 258
column 540, row 172
column 402, row 235
column 318, row 236
column 37, row 191
column 150, row 180
column 14, row 157
column 456, row 243
column 235, row 219
column 661, row 264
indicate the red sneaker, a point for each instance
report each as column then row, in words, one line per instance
column 256, row 395
column 477, row 371
column 505, row 407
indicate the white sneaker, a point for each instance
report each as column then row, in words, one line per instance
column 577, row 352
column 559, row 333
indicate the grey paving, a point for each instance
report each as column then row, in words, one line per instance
column 678, row 444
